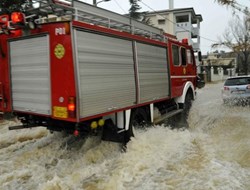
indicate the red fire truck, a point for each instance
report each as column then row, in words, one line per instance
column 73, row 67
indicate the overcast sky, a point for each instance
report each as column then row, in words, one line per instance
column 215, row 17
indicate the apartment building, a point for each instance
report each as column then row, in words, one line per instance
column 182, row 22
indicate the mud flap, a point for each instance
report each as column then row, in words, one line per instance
column 112, row 133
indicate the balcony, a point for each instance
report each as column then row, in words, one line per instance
column 183, row 26
column 186, row 26
column 195, row 31
column 196, row 46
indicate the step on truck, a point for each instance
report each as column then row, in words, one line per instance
column 70, row 66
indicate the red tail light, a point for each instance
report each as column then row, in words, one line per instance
column 226, row 88
column 17, row 17
column 72, row 107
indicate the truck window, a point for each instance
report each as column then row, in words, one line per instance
column 183, row 57
column 189, row 57
column 175, row 54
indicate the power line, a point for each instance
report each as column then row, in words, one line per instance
column 120, row 7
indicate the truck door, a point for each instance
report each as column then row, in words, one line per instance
column 178, row 65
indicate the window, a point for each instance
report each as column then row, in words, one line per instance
column 183, row 57
column 183, row 18
column 237, row 81
column 175, row 54
column 161, row 21
column 189, row 57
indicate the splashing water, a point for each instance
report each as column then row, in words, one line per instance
column 214, row 153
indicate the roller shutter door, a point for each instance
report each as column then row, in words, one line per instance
column 30, row 75
column 106, row 73
column 153, row 72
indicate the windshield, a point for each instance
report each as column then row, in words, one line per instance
column 237, row 81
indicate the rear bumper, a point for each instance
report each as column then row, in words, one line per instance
column 236, row 100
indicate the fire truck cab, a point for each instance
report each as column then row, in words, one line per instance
column 81, row 68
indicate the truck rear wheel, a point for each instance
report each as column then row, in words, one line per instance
column 140, row 118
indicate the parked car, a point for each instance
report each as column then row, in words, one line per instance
column 236, row 90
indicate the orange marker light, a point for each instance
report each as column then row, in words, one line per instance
column 185, row 41
column 71, row 104
column 72, row 107
column 67, row 28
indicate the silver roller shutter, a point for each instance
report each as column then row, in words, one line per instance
column 153, row 72
column 30, row 75
column 106, row 73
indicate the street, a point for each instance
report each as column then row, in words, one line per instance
column 214, row 153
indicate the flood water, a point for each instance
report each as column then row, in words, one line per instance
column 213, row 154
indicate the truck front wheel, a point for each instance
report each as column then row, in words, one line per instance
column 187, row 104
column 182, row 121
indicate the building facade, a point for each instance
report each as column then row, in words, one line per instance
column 220, row 59
column 216, row 62
column 183, row 23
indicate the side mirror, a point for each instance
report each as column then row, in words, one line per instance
column 199, row 82
column 199, row 56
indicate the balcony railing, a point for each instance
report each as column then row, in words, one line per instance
column 186, row 26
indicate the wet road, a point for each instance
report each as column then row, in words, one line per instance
column 213, row 154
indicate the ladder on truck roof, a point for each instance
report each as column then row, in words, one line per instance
column 80, row 11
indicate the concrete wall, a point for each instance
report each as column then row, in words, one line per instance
column 220, row 76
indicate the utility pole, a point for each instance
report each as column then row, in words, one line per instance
column 171, row 4
column 94, row 3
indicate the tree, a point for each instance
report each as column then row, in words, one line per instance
column 237, row 38
column 133, row 11
column 8, row 6
column 227, row 2
column 235, row 5
column 140, row 16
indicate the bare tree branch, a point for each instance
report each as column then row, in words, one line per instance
column 226, row 2
column 237, row 38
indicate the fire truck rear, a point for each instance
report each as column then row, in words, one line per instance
column 80, row 69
